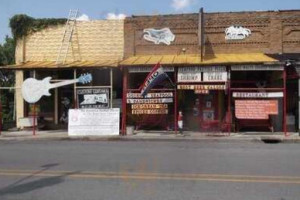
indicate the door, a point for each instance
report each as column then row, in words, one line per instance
column 208, row 112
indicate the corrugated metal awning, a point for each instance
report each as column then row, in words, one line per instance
column 53, row 65
column 196, row 60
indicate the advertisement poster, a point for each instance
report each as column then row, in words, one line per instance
column 93, row 98
column 255, row 109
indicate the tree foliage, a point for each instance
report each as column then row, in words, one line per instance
column 21, row 25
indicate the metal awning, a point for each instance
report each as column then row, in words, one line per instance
column 53, row 65
column 196, row 59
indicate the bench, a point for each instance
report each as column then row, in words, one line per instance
column 249, row 123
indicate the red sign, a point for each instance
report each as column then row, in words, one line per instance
column 255, row 109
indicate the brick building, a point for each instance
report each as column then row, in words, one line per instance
column 225, row 66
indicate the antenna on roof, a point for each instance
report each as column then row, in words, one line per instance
column 67, row 37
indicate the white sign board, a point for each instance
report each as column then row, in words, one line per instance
column 94, row 122
column 237, row 33
column 158, row 36
column 214, row 76
column 192, row 76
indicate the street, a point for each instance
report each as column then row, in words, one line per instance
column 163, row 170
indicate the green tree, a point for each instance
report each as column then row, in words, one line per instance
column 7, row 57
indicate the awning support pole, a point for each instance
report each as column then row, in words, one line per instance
column 284, row 102
column 124, row 100
column 175, row 102
column 34, row 117
column 229, row 99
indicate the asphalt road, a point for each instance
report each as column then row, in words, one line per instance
column 84, row 170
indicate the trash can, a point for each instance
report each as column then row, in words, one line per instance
column 129, row 130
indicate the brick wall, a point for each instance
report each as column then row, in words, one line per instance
column 272, row 32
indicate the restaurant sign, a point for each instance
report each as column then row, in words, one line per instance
column 257, row 94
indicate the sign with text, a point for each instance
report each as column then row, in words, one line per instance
column 189, row 74
column 150, row 112
column 255, row 109
column 148, row 69
column 256, row 68
column 257, row 94
column 93, row 98
column 215, row 76
column 93, row 122
column 201, row 87
column 152, row 101
column 201, row 91
column 150, row 95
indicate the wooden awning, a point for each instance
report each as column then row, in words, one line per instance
column 53, row 65
column 196, row 60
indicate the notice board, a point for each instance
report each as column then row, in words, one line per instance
column 255, row 109
column 94, row 122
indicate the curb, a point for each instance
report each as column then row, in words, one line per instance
column 255, row 139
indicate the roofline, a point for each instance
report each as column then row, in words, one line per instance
column 222, row 12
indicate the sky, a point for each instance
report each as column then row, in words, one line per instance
column 102, row 9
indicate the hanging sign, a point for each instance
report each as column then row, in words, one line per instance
column 158, row 36
column 86, row 122
column 236, row 33
column 255, row 109
column 148, row 69
column 256, row 68
column 257, row 94
column 33, row 89
column 93, row 98
column 215, row 76
column 201, row 87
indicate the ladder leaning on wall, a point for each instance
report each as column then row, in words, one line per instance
column 67, row 37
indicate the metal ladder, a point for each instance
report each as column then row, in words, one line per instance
column 67, row 37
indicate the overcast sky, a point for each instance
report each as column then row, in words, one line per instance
column 101, row 9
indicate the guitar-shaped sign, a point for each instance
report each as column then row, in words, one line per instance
column 33, row 90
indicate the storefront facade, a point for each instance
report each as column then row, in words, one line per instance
column 223, row 72
column 95, row 48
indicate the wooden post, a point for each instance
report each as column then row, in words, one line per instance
column 124, row 101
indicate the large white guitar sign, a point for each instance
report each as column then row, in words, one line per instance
column 33, row 90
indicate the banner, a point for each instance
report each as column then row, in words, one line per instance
column 155, row 76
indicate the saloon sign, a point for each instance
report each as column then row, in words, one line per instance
column 237, row 33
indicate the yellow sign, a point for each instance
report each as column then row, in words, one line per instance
column 149, row 106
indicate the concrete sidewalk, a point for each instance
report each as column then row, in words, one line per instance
column 156, row 136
